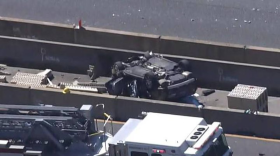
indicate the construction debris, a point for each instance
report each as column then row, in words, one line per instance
column 49, row 81
column 28, row 79
column 77, row 88
column 4, row 73
column 90, row 84
column 3, row 79
column 66, row 90
column 53, row 86
column 208, row 92
column 91, row 72
column 47, row 73
column 42, row 79
column 2, row 68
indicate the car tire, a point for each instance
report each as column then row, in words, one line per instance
column 147, row 55
column 149, row 80
column 193, row 87
column 184, row 65
column 117, row 69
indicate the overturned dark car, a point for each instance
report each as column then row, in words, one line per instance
column 152, row 76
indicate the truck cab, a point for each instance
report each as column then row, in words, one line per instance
column 165, row 135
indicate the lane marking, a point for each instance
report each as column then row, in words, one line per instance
column 228, row 135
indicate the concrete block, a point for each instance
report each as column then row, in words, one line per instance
column 251, row 97
column 28, row 79
column 234, row 102
column 249, row 104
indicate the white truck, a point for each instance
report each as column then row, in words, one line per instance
column 169, row 135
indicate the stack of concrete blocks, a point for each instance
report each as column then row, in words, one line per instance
column 28, row 79
column 248, row 97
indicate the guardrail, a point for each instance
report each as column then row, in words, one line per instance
column 233, row 121
column 140, row 42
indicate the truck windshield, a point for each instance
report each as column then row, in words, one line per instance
column 218, row 148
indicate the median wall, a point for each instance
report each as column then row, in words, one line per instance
column 58, row 56
column 220, row 51
column 89, row 36
column 138, row 41
column 76, row 58
column 122, row 108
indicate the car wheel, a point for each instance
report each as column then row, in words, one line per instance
column 192, row 87
column 184, row 65
column 150, row 80
column 117, row 69
column 147, row 55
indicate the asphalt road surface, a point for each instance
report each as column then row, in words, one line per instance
column 247, row 22
column 241, row 145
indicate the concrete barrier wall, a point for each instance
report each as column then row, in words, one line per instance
column 202, row 49
column 89, row 36
column 220, row 51
column 141, row 42
column 233, row 121
column 76, row 58
column 117, row 39
column 226, row 76
column 236, row 122
column 61, row 57
column 36, row 30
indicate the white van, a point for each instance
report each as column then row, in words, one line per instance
column 169, row 135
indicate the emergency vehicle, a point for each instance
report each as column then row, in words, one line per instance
column 165, row 135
